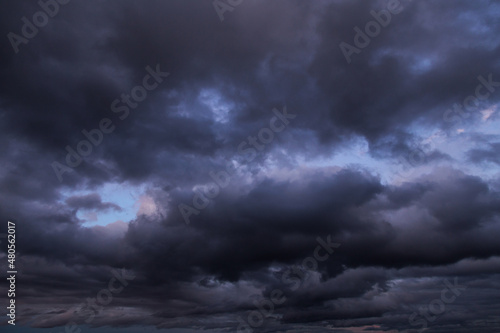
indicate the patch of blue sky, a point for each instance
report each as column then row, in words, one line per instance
column 124, row 195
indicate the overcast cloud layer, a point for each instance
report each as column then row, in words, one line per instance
column 274, row 156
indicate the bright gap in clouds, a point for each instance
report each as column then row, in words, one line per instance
column 456, row 143
column 131, row 199
column 355, row 153
column 214, row 101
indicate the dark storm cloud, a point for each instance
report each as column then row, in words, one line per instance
column 357, row 211
column 490, row 154
column 91, row 201
column 383, row 89
column 398, row 241
column 71, row 87
column 270, row 225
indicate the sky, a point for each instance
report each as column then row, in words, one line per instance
column 251, row 166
